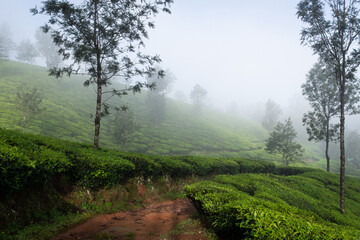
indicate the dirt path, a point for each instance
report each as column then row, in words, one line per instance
column 149, row 223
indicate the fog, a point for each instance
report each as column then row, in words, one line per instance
column 240, row 52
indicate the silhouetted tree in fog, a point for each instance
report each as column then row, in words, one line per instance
column 6, row 42
column 353, row 148
column 272, row 114
column 155, row 99
column 333, row 32
column 47, row 48
column 197, row 97
column 281, row 141
column 124, row 126
column 103, row 39
column 26, row 51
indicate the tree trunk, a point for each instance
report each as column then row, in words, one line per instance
column 98, row 115
column 327, row 156
column 342, row 138
column 327, row 147
column 98, row 82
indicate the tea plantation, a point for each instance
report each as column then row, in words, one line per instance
column 287, row 203
column 254, row 200
column 69, row 106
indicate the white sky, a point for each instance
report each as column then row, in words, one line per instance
column 239, row 51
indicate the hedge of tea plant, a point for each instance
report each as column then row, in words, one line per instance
column 30, row 160
column 271, row 206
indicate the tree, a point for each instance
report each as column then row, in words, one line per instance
column 322, row 93
column 124, row 125
column 353, row 148
column 29, row 104
column 104, row 39
column 335, row 38
column 156, row 97
column 26, row 51
column 281, row 140
column 197, row 96
column 6, row 43
column 47, row 48
column 272, row 113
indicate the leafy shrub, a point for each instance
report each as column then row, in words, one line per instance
column 175, row 168
column 236, row 214
column 144, row 166
column 98, row 170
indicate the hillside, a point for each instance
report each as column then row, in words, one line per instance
column 69, row 106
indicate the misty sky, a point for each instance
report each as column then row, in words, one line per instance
column 239, row 51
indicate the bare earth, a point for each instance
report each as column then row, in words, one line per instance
column 148, row 223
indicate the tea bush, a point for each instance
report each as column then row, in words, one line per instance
column 238, row 209
column 33, row 159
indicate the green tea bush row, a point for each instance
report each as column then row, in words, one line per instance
column 30, row 160
column 237, row 215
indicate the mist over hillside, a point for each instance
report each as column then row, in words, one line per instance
column 69, row 107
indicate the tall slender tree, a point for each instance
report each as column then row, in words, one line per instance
column 104, row 39
column 322, row 92
column 333, row 32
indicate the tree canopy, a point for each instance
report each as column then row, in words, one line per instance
column 103, row 39
column 322, row 93
column 47, row 48
column 281, row 141
column 28, row 102
column 26, row 51
column 333, row 32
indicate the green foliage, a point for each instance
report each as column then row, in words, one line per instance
column 267, row 206
column 124, row 126
column 322, row 93
column 281, row 140
column 117, row 36
column 29, row 160
column 28, row 103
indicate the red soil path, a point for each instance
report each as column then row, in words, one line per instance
column 149, row 223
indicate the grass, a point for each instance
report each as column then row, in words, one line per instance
column 191, row 226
